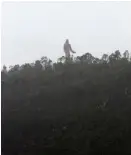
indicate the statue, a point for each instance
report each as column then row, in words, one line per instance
column 68, row 49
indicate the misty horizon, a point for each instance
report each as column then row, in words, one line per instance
column 32, row 30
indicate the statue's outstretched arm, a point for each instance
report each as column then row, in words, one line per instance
column 71, row 49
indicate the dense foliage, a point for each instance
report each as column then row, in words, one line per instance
column 76, row 107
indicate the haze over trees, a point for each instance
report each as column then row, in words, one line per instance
column 76, row 107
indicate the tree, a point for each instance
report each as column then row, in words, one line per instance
column 4, row 69
column 38, row 65
column 87, row 57
column 4, row 73
column 16, row 68
column 46, row 63
column 61, row 59
column 105, row 58
column 96, row 60
column 117, row 55
column 126, row 54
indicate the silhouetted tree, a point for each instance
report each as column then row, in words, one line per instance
column 104, row 58
column 38, row 65
column 126, row 54
column 117, row 55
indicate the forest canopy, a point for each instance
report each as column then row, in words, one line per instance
column 73, row 107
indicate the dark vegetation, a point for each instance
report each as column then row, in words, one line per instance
column 79, row 107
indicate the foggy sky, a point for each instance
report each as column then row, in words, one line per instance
column 32, row 30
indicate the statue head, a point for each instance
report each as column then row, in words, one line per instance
column 67, row 41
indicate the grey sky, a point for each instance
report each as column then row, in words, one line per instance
column 32, row 30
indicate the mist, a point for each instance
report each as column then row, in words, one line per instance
column 31, row 30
